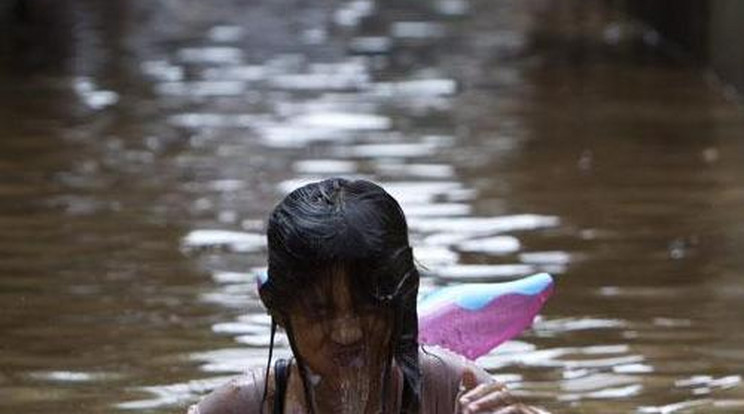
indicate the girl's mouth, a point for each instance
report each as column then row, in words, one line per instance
column 348, row 355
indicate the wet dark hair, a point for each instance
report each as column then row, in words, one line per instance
column 360, row 226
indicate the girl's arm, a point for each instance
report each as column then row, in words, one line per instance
column 489, row 397
column 240, row 395
column 469, row 388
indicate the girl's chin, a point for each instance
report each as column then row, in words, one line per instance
column 339, row 366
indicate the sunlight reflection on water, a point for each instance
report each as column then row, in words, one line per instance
column 144, row 175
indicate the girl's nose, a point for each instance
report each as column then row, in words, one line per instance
column 346, row 330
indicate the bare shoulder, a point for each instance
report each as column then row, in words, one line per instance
column 442, row 372
column 243, row 394
column 442, row 362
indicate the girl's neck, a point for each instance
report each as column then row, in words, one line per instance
column 341, row 395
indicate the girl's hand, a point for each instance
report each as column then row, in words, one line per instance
column 490, row 398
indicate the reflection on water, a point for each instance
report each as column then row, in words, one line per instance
column 142, row 151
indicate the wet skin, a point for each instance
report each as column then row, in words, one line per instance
column 333, row 333
column 345, row 345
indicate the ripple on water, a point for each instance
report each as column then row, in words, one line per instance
column 370, row 45
column 162, row 70
column 420, row 192
column 202, row 88
column 343, row 76
column 482, row 273
column 546, row 257
column 211, row 54
column 677, row 407
column 225, row 33
column 236, row 360
column 704, row 384
column 420, row 88
column 437, row 210
column 633, row 368
column 432, row 257
column 248, row 73
column 343, row 121
column 484, row 225
column 325, row 166
column 240, row 328
column 232, row 240
column 445, row 239
column 497, row 245
column 233, row 277
column 408, row 170
column 392, row 150
column 563, row 325
column 172, row 395
column 417, row 30
column 233, row 295
column 215, row 120
column 93, row 96
column 452, row 7
column 555, row 262
column 287, row 186
column 73, row 376
column 288, row 135
column 601, row 387
column 351, row 13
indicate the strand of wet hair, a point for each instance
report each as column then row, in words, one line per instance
column 303, row 370
column 268, row 365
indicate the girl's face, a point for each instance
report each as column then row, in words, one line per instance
column 335, row 334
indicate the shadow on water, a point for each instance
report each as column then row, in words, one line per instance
column 143, row 143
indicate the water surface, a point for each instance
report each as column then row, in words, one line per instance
column 142, row 146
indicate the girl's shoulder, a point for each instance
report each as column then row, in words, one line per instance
column 440, row 362
column 441, row 374
column 243, row 394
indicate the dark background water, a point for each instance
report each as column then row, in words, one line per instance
column 143, row 143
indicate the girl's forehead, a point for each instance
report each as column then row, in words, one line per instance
column 329, row 282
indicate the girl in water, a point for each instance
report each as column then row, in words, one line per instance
column 343, row 284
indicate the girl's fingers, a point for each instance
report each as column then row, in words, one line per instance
column 481, row 391
column 468, row 381
column 491, row 398
column 475, row 393
column 514, row 409
column 520, row 409
column 495, row 399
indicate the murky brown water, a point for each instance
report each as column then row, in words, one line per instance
column 142, row 145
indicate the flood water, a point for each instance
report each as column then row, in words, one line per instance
column 143, row 143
